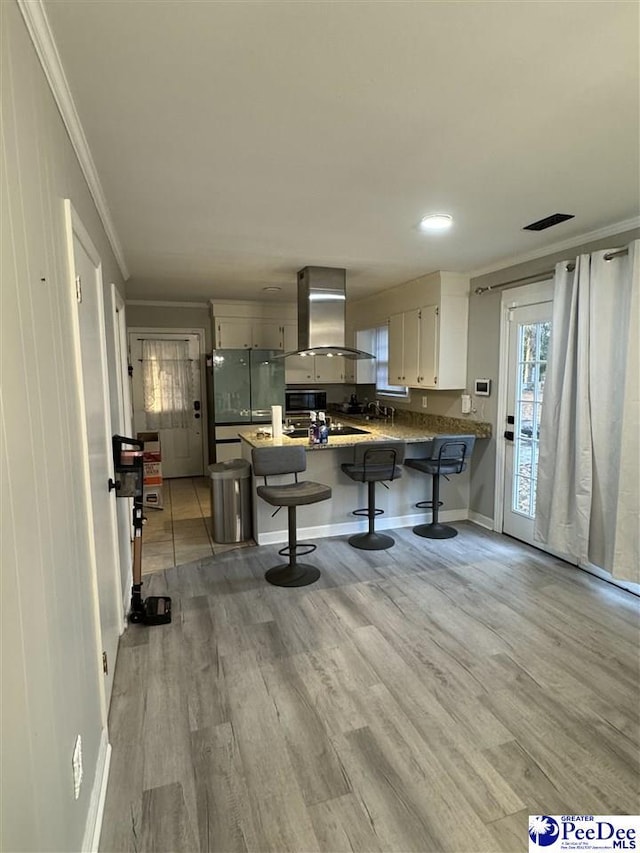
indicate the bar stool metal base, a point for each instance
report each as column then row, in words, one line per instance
column 292, row 574
column 372, row 541
column 435, row 531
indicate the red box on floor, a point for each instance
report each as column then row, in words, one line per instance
column 152, row 469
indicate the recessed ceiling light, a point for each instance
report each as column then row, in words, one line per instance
column 436, row 222
column 271, row 289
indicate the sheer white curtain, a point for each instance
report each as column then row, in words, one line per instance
column 166, row 383
column 588, row 503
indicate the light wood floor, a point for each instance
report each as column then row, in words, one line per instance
column 425, row 698
column 181, row 531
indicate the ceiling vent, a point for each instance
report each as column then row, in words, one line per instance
column 548, row 221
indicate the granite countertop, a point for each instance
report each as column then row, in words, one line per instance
column 410, row 427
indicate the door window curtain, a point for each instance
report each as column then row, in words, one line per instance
column 588, row 504
column 166, row 383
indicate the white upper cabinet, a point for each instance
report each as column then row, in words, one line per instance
column 396, row 349
column 329, row 368
column 299, row 370
column 428, row 344
column 248, row 333
column 310, row 369
column 404, row 348
column 267, row 335
column 232, row 333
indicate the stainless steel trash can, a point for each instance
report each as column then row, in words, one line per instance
column 231, row 500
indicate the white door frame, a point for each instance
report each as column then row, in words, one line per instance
column 125, row 425
column 530, row 294
column 75, row 227
column 155, row 330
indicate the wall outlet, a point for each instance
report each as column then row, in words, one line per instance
column 466, row 404
column 76, row 763
column 424, row 401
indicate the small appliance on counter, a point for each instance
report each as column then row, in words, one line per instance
column 353, row 407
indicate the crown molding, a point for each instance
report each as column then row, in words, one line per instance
column 569, row 243
column 154, row 303
column 39, row 29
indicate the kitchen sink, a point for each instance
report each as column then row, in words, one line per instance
column 343, row 430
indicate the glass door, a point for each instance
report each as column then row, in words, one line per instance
column 529, row 333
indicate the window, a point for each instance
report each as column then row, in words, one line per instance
column 381, row 352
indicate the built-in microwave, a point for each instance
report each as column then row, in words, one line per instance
column 305, row 401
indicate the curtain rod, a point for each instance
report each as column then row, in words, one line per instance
column 540, row 276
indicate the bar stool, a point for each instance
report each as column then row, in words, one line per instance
column 449, row 454
column 269, row 461
column 374, row 463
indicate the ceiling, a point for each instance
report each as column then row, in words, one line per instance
column 237, row 142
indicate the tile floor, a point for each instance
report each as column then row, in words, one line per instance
column 181, row 532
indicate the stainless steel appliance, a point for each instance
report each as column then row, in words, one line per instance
column 322, row 294
column 242, row 386
column 305, row 401
column 338, row 429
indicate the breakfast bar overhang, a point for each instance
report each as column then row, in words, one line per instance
column 335, row 517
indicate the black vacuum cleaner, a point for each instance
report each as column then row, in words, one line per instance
column 129, row 470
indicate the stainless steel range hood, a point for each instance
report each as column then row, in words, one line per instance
column 321, row 314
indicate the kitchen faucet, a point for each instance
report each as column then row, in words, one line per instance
column 383, row 412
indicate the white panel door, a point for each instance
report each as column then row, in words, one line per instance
column 529, row 334
column 93, row 360
column 181, row 447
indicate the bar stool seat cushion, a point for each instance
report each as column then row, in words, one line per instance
column 295, row 494
column 375, row 473
column 435, row 466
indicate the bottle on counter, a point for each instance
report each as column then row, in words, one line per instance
column 323, row 429
column 314, row 437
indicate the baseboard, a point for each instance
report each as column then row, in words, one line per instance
column 346, row 528
column 481, row 520
column 93, row 826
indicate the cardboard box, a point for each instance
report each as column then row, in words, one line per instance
column 152, row 469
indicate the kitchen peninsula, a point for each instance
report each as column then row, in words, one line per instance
column 334, row 517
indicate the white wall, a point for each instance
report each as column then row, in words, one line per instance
column 174, row 317
column 50, row 660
